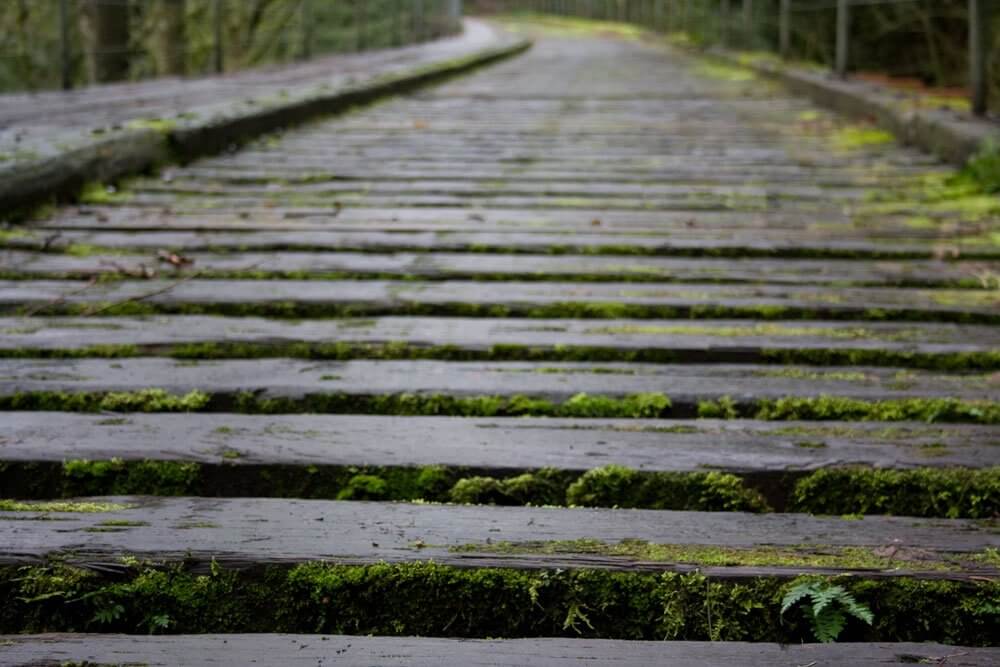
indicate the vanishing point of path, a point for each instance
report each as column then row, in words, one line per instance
column 600, row 274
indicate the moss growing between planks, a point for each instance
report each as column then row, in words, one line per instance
column 978, row 310
column 343, row 351
column 928, row 492
column 632, row 406
column 613, row 485
column 143, row 400
column 925, row 492
column 904, row 409
column 426, row 599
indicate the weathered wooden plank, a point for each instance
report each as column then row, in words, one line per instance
column 240, row 532
column 214, row 650
column 497, row 444
column 516, row 298
column 745, row 242
column 677, row 340
column 456, row 266
column 685, row 384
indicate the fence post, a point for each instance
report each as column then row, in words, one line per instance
column 724, row 23
column 785, row 28
column 843, row 37
column 980, row 43
column 305, row 16
column 66, row 56
column 747, row 23
column 217, row 32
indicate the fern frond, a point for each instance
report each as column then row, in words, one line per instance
column 796, row 594
column 828, row 625
column 856, row 609
column 825, row 596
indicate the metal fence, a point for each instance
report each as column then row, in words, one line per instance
column 946, row 42
column 68, row 43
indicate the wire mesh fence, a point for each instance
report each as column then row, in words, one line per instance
column 67, row 43
column 943, row 44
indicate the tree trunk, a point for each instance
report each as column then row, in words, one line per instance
column 105, row 27
column 169, row 36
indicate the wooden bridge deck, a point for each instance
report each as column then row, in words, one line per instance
column 736, row 326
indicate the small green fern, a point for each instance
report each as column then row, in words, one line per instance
column 830, row 606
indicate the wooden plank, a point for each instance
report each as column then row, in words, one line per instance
column 497, row 444
column 456, row 266
column 717, row 340
column 354, row 651
column 243, row 531
column 517, row 298
column 745, row 242
column 292, row 378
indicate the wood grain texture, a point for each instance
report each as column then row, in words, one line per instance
column 312, row 650
column 244, row 531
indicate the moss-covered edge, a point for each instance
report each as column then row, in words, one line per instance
column 427, row 599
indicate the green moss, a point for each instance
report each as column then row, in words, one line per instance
column 951, row 492
column 426, row 599
column 927, row 492
column 723, row 408
column 59, row 506
column 904, row 409
column 622, row 487
column 843, row 558
column 854, row 137
column 143, row 400
column 115, row 477
column 99, row 193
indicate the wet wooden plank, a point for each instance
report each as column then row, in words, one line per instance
column 516, row 298
column 245, row 531
column 344, row 651
column 496, row 444
column 292, row 378
column 715, row 340
column 456, row 266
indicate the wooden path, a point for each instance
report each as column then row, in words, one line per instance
column 599, row 345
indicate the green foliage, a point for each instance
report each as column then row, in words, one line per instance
column 983, row 168
column 830, row 605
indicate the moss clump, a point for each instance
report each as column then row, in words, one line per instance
column 618, row 486
column 723, row 408
column 925, row 492
column 541, row 487
column 426, row 599
column 906, row 409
